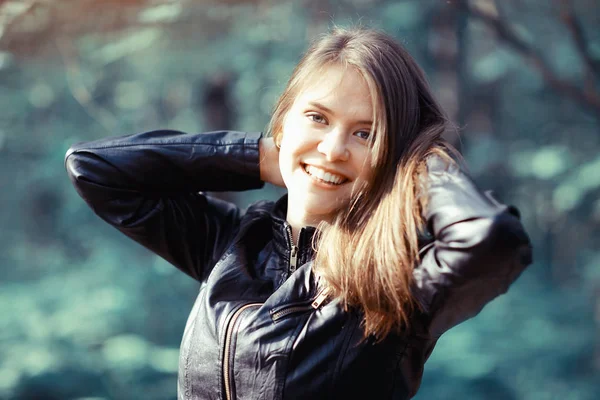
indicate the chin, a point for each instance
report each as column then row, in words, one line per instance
column 320, row 212
column 311, row 206
column 322, row 209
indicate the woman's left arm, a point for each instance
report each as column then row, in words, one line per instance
column 479, row 249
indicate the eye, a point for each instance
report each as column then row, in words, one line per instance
column 318, row 118
column 364, row 135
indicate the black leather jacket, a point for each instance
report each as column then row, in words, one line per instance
column 259, row 328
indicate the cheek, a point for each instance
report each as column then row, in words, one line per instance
column 287, row 160
column 291, row 130
column 296, row 140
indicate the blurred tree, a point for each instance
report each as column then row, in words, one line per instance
column 586, row 95
column 216, row 102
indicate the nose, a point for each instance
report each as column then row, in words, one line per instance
column 334, row 147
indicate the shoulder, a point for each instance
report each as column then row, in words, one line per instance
column 260, row 209
column 255, row 227
column 257, row 218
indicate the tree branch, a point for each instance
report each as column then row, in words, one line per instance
column 10, row 21
column 588, row 98
column 78, row 89
column 575, row 27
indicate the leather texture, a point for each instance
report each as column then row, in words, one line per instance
column 253, row 331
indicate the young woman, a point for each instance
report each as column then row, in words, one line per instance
column 341, row 288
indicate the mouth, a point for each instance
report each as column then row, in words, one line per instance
column 323, row 177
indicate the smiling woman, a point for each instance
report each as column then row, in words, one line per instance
column 324, row 151
column 382, row 243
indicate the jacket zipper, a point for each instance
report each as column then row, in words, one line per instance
column 321, row 297
column 227, row 376
column 314, row 304
column 293, row 251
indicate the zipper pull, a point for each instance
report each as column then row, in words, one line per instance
column 321, row 297
column 293, row 259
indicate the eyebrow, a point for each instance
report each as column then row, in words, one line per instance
column 328, row 110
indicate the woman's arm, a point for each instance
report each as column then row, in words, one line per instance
column 479, row 249
column 147, row 186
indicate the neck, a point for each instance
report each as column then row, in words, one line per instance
column 297, row 223
column 299, row 219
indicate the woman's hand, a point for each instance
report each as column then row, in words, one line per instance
column 269, row 162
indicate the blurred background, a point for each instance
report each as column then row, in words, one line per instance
column 88, row 314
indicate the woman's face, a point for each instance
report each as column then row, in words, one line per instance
column 325, row 152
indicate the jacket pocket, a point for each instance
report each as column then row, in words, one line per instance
column 280, row 312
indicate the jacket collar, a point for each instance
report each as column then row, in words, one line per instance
column 282, row 233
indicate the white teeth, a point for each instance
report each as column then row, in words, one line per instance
column 324, row 176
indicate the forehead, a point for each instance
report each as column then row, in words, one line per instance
column 343, row 90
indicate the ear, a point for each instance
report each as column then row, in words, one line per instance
column 278, row 132
column 277, row 137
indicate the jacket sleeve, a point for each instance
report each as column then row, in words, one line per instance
column 479, row 248
column 148, row 187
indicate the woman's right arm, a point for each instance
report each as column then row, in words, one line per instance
column 147, row 186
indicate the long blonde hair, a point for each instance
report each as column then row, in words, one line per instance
column 368, row 252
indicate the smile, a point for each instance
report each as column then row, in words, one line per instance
column 324, row 176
